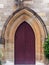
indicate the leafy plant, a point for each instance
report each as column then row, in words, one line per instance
column 46, row 47
column 1, row 54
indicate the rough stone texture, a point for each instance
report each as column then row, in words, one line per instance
column 39, row 6
column 10, row 33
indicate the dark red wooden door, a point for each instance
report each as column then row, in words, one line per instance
column 24, row 45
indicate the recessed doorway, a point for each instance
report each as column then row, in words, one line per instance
column 24, row 45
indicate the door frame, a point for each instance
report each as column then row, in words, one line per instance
column 11, row 25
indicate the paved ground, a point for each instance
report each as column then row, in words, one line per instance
column 11, row 63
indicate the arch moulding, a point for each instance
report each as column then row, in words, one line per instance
column 19, row 16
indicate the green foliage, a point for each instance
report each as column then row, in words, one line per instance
column 0, row 62
column 1, row 54
column 46, row 47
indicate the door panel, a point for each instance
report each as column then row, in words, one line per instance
column 24, row 45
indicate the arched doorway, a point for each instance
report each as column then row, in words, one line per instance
column 11, row 25
column 24, row 47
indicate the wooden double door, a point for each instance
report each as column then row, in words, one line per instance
column 24, row 45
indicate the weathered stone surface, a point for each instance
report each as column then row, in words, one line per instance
column 8, row 7
column 40, row 5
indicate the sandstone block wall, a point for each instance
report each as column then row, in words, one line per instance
column 7, row 7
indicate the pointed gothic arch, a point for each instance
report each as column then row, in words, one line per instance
column 11, row 25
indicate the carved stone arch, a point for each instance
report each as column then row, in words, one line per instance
column 11, row 25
